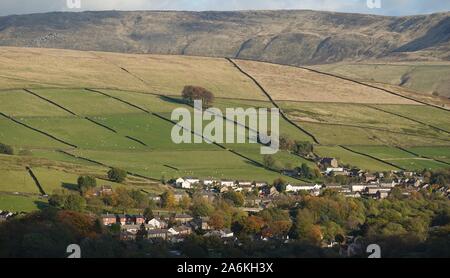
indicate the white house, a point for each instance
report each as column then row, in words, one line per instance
column 186, row 185
column 157, row 223
column 374, row 190
column 245, row 183
column 225, row 233
column 296, row 188
column 362, row 187
column 352, row 195
column 358, row 187
column 192, row 180
column 388, row 184
column 335, row 170
column 131, row 228
column 260, row 183
column 227, row 183
column 172, row 231
column 179, row 181
column 209, row 182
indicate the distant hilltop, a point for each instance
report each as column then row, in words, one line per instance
column 287, row 37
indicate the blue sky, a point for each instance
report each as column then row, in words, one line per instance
column 388, row 7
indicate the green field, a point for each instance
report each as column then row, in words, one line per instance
column 17, row 181
column 54, row 155
column 419, row 164
column 400, row 158
column 54, row 179
column 18, row 103
column 426, row 114
column 219, row 164
column 356, row 115
column 362, row 124
column 434, row 152
column 21, row 203
column 158, row 158
column 126, row 123
column 422, row 77
column 19, row 136
column 85, row 103
column 330, row 134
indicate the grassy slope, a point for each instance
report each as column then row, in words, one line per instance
column 149, row 77
column 421, row 77
column 291, row 83
column 17, row 181
column 21, row 203
column 400, row 158
column 426, row 114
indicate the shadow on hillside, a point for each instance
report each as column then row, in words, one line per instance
column 41, row 205
column 172, row 100
column 70, row 186
column 252, row 163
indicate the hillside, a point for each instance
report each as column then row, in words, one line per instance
column 67, row 113
column 287, row 37
column 432, row 78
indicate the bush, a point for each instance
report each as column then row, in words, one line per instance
column 191, row 93
column 268, row 161
column 85, row 183
column 117, row 175
column 5, row 149
column 280, row 184
column 64, row 200
column 235, row 197
column 303, row 148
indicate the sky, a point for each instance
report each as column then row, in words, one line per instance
column 386, row 7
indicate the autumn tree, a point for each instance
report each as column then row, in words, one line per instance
column 185, row 202
column 65, row 200
column 122, row 199
column 139, row 198
column 148, row 214
column 74, row 202
column 217, row 220
column 201, row 207
column 253, row 224
column 117, row 175
column 277, row 229
column 86, row 183
column 236, row 198
column 191, row 93
column 305, row 171
column 168, row 199
column 303, row 148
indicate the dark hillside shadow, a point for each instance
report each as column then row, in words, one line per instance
column 70, row 186
column 41, row 205
column 172, row 100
